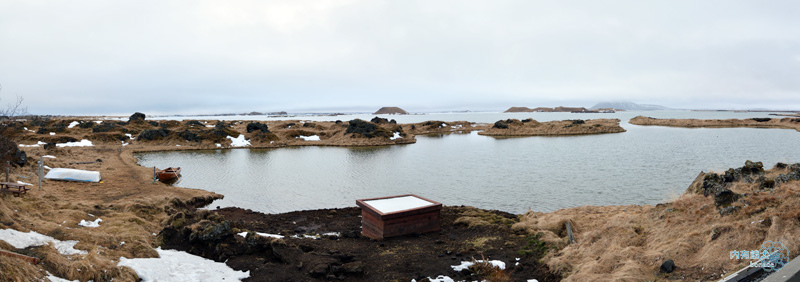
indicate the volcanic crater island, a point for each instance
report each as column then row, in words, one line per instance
column 124, row 227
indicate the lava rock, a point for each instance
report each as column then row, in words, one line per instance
column 668, row 266
column 190, row 136
column 725, row 197
column 194, row 123
column 253, row 126
column 153, row 134
column 379, row 120
column 500, row 125
column 137, row 116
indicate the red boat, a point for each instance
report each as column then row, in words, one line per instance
column 169, row 174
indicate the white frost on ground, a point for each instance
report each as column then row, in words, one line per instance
column 129, row 135
column 92, row 224
column 21, row 240
column 244, row 234
column 24, row 183
column 239, row 141
column 467, row 264
column 73, row 124
column 124, row 144
column 49, row 156
column 54, row 278
column 82, row 143
column 52, row 133
column 309, row 138
column 398, row 204
column 533, row 280
column 181, row 266
column 208, row 125
column 33, row 145
column 396, row 136
column 98, row 121
column 218, row 145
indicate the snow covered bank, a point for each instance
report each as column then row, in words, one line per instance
column 21, row 240
column 181, row 266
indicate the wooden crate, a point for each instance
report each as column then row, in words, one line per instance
column 398, row 215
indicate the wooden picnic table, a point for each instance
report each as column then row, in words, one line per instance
column 15, row 188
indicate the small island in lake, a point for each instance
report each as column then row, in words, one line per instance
column 530, row 127
column 390, row 111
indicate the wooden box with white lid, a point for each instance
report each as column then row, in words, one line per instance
column 398, row 215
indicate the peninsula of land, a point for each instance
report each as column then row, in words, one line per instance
column 787, row 123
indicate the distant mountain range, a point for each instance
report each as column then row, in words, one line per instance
column 628, row 106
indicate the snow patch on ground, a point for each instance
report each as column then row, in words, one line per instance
column 82, row 143
column 49, row 156
column 33, row 145
column 467, row 264
column 52, row 133
column 244, row 234
column 181, row 266
column 218, row 145
column 92, row 224
column 21, row 240
column 239, row 141
column 73, row 124
column 54, row 278
column 396, row 136
column 309, row 138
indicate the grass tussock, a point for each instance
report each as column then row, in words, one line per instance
column 13, row 269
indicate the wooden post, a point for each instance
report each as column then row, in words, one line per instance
column 569, row 233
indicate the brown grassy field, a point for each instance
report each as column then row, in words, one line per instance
column 529, row 127
column 787, row 123
column 629, row 243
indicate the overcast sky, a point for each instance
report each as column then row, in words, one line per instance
column 117, row 57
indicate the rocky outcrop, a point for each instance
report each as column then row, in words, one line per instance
column 390, row 111
column 718, row 185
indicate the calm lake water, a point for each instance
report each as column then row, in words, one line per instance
column 645, row 165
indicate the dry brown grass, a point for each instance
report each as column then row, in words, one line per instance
column 554, row 128
column 131, row 206
column 629, row 243
column 786, row 123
